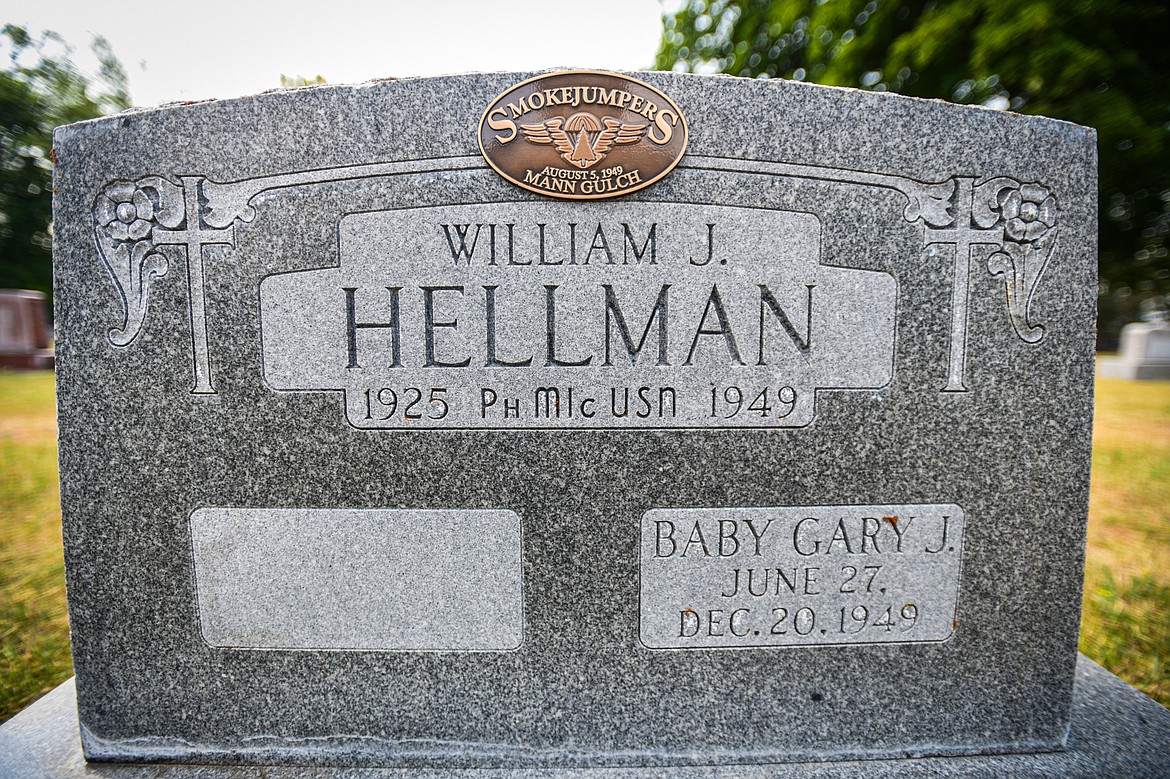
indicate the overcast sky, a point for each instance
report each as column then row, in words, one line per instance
column 211, row 48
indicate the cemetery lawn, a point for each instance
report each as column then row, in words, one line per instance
column 34, row 628
column 1126, row 624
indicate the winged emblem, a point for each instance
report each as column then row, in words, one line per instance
column 583, row 140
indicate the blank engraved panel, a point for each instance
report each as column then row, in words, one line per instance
column 389, row 579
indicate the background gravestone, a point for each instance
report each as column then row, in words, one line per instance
column 370, row 456
column 1145, row 352
column 24, row 330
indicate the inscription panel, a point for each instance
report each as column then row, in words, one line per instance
column 799, row 576
column 556, row 315
column 373, row 579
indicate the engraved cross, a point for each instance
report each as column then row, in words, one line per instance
column 964, row 236
column 195, row 237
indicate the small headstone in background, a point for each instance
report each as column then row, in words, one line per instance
column 24, row 330
column 1144, row 354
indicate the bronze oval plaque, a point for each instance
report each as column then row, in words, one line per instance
column 582, row 135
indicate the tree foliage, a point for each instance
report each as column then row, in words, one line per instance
column 40, row 89
column 292, row 82
column 1101, row 63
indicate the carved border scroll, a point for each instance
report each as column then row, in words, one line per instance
column 134, row 219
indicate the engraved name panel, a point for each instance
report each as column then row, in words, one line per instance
column 799, row 576
column 648, row 315
column 359, row 579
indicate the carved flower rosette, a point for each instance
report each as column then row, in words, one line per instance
column 1028, row 215
column 126, row 213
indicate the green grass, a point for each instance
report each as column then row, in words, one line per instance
column 34, row 628
column 1126, row 618
column 1125, row 622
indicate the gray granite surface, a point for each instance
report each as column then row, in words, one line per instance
column 1116, row 732
column 313, row 579
column 852, row 302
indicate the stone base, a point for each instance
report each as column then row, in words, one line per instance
column 1116, row 732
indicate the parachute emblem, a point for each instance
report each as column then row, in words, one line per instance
column 583, row 140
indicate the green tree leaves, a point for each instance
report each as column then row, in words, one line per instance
column 40, row 89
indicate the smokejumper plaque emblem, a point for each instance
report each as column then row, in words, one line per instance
column 582, row 135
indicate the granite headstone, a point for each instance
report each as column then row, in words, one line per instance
column 442, row 422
